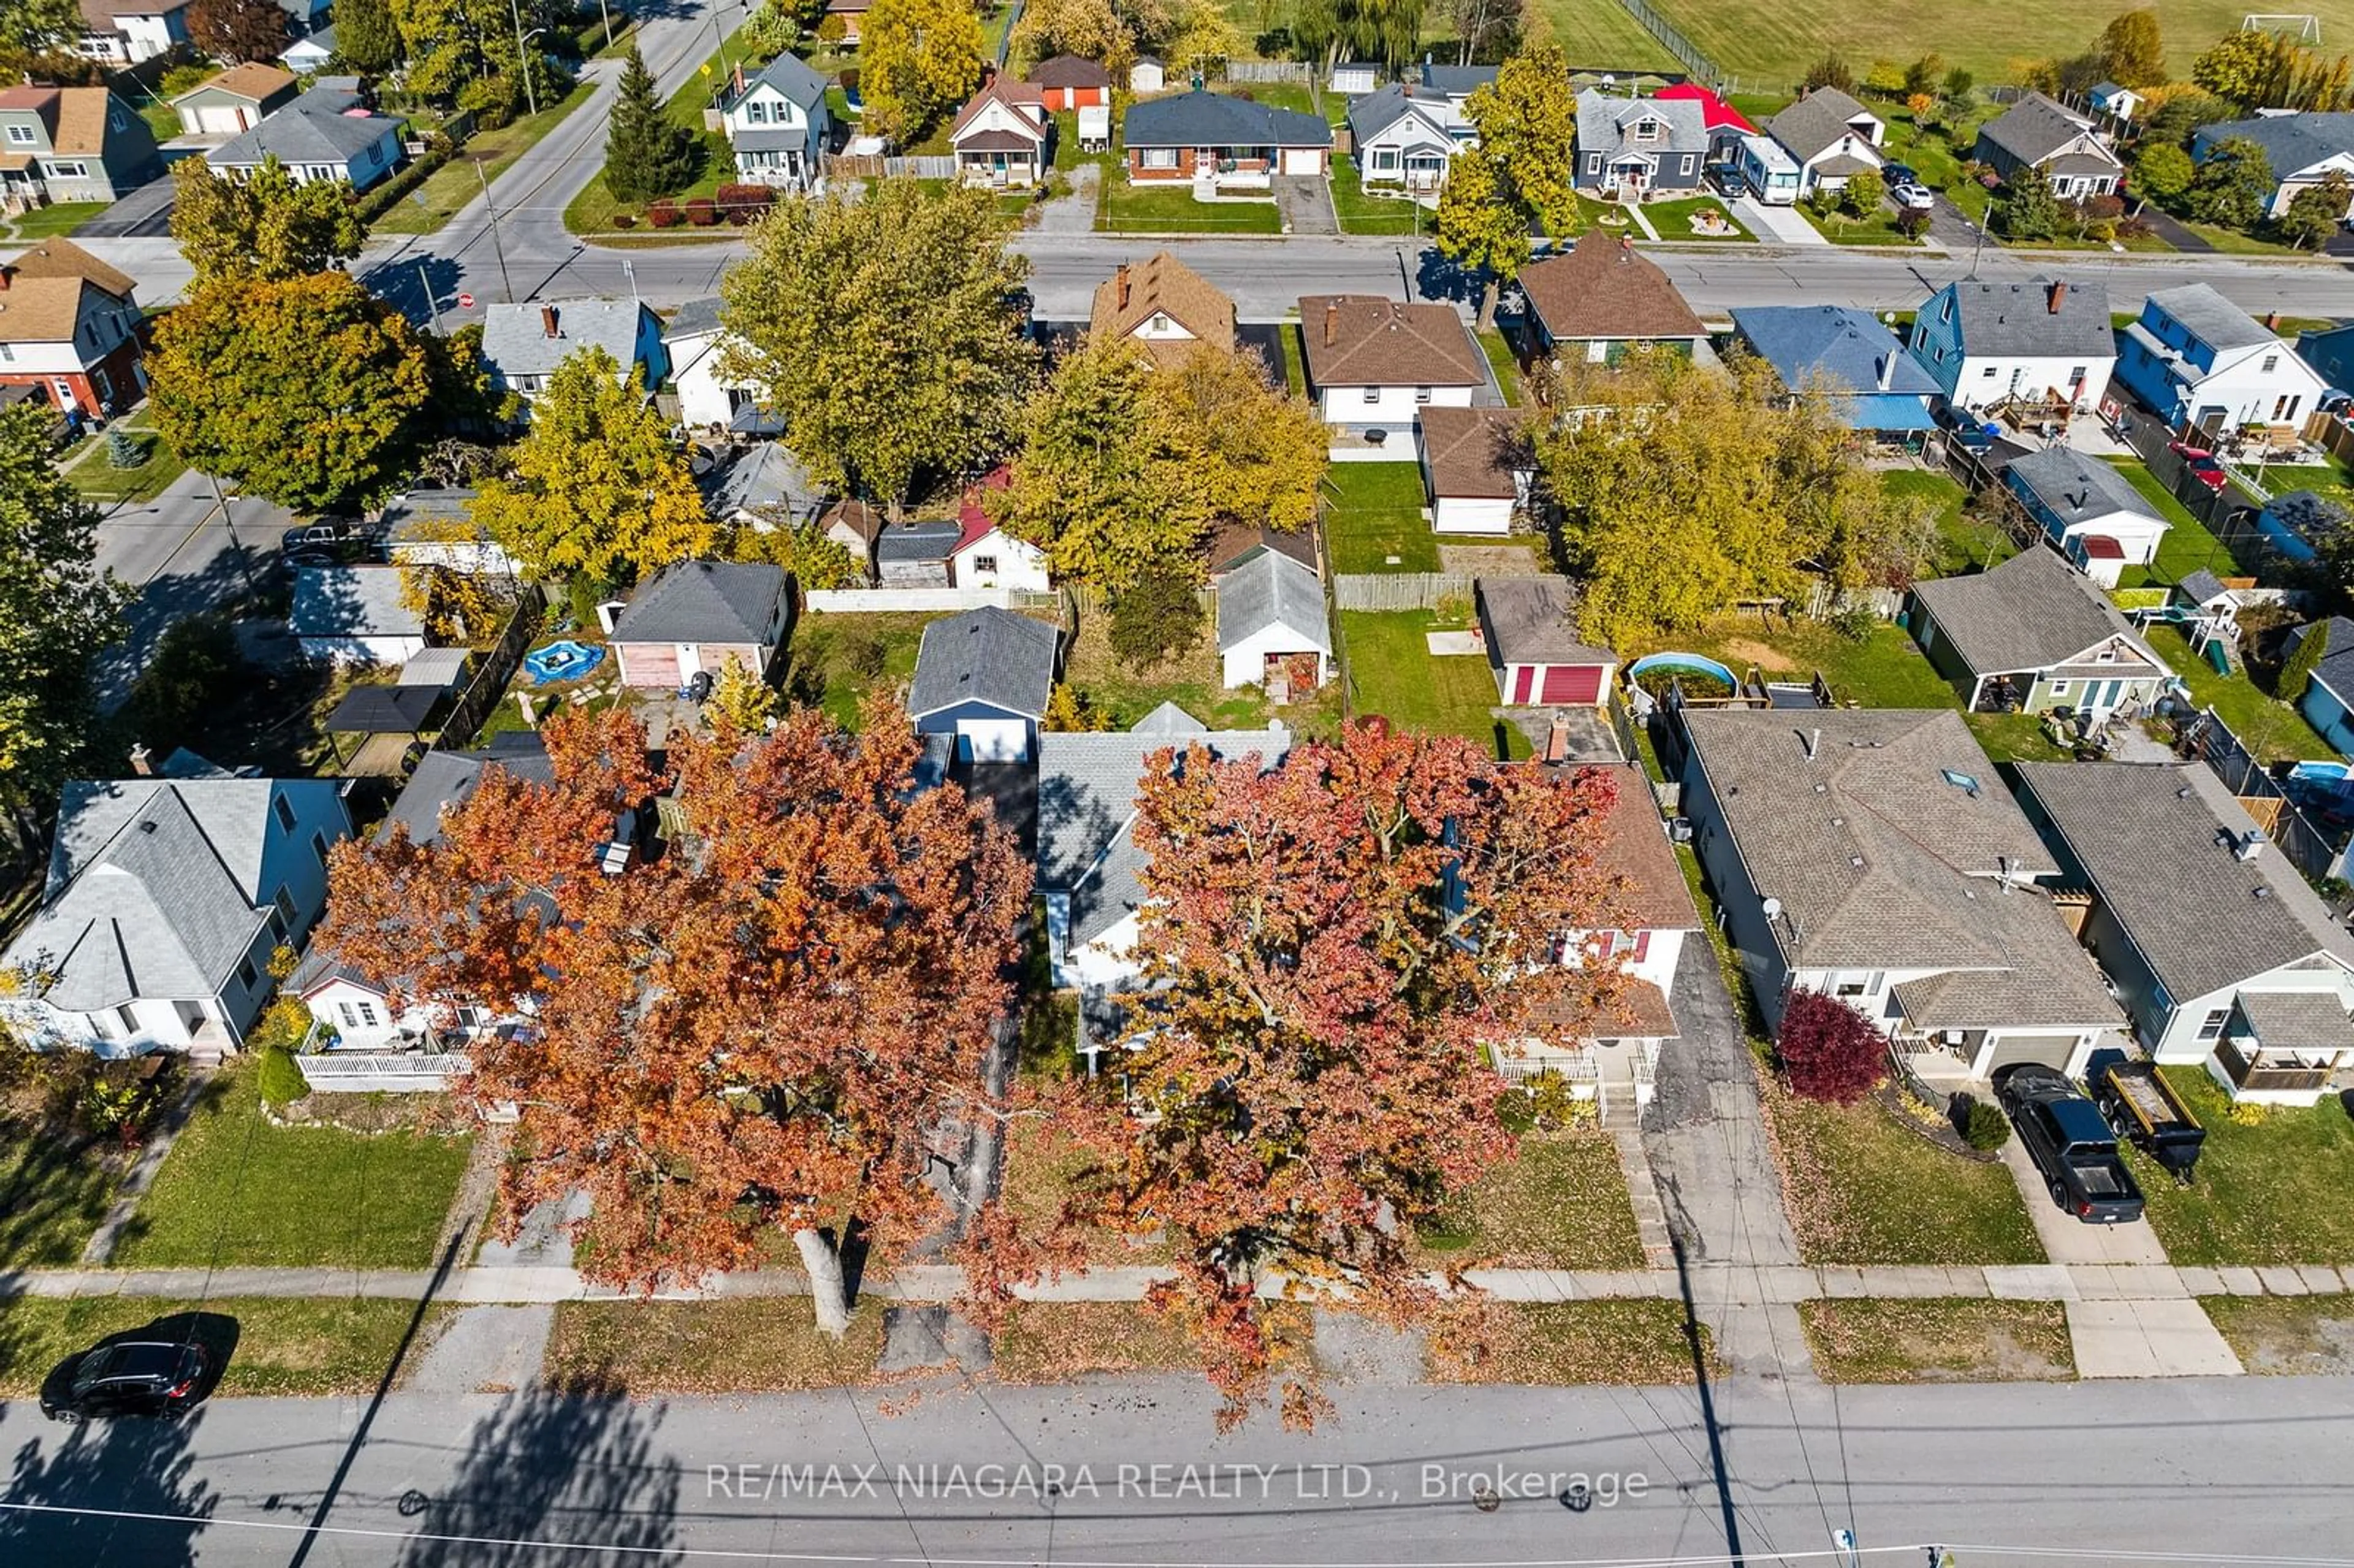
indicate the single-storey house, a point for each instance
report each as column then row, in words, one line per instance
column 326, row 134
column 2328, row 703
column 1873, row 855
column 2201, row 361
column 1478, row 465
column 2080, row 501
column 524, row 344
column 984, row 677
column 1529, row 625
column 2034, row 633
column 1212, row 140
column 1233, row 544
column 1405, row 135
column 71, row 144
column 309, row 57
column 2297, row 522
column 985, row 555
column 1002, row 134
column 777, row 123
column 856, row 526
column 1071, row 81
column 2054, row 140
column 164, row 900
column 2119, row 103
column 916, row 554
column 355, row 615
column 695, row 616
column 237, row 100
column 1374, row 364
column 2302, row 149
column 1089, row 867
column 1832, row 137
column 1629, row 148
column 71, row 327
column 1164, row 306
column 761, row 486
column 2221, row 951
column 1272, row 629
column 1875, row 387
column 1603, row 298
column 2046, row 344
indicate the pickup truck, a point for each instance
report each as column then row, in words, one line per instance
column 2064, row 1134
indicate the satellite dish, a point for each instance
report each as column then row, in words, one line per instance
column 1772, row 907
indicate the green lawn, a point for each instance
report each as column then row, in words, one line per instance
column 304, row 1348
column 1862, row 1189
column 595, row 208
column 2232, row 242
column 837, row 660
column 2329, row 479
column 54, row 220
column 1952, row 1339
column 1937, row 155
column 1295, row 363
column 1125, row 209
column 1564, row 1344
column 51, row 1198
column 1503, row 363
column 1397, row 676
column 2272, row 1193
column 1674, row 220
column 236, row 1189
column 1373, row 519
column 1559, row 1203
column 1878, row 227
column 99, row 480
column 2187, row 545
column 1363, row 213
column 1193, row 679
column 1603, row 34
column 448, row 188
column 1884, row 670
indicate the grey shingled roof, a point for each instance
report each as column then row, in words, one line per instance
column 2297, row 1019
column 1376, row 111
column 2034, row 611
column 1087, row 786
column 1815, row 121
column 1533, row 620
column 446, row 780
column 2016, row 320
column 2079, row 489
column 312, row 129
column 1599, row 115
column 2149, row 838
column 2212, row 319
column 412, row 516
column 1272, row 590
column 932, row 541
column 515, row 340
column 1881, row 862
column 990, row 656
column 1205, row 119
column 2034, row 128
column 704, row 601
column 693, row 318
column 2201, row 586
column 760, row 477
column 2291, row 142
column 791, row 77
column 1457, row 82
column 350, row 601
column 155, row 886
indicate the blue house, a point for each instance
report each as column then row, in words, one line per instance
column 2328, row 701
column 2330, row 352
column 1877, row 387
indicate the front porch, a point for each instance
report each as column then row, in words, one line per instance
column 997, row 170
column 2282, row 1048
column 1606, row 1072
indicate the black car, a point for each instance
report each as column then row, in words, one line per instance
column 1900, row 175
column 128, row 1377
column 2065, row 1135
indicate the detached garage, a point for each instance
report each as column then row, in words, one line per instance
column 983, row 677
column 692, row 617
column 1529, row 626
column 1477, row 466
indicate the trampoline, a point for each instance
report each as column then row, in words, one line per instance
column 565, row 661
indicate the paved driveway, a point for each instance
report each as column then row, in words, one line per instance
column 1775, row 225
column 144, row 214
column 2067, row 1239
column 1305, row 203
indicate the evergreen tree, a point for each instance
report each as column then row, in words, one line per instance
column 646, row 153
column 2297, row 673
column 368, row 38
column 2029, row 210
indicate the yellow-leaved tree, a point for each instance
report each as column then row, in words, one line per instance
column 921, row 58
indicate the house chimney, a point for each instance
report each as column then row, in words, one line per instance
column 2058, row 295
column 2272, row 321
column 1813, row 741
column 1122, row 276
column 1331, row 320
column 739, row 75
column 142, row 760
column 1626, row 249
column 547, row 320
column 6, row 275
column 1557, row 736
column 1887, row 371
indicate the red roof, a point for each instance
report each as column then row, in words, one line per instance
column 1715, row 112
column 975, row 522
column 2100, row 548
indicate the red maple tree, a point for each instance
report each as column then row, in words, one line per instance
column 754, row 1032
column 1331, row 943
column 1828, row 1051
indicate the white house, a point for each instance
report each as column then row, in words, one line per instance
column 1089, row 862
column 1832, row 137
column 354, row 615
column 1271, row 626
column 124, row 32
column 1148, row 75
column 436, row 527
column 1408, row 136
column 309, row 57
column 2221, row 952
column 1376, row 365
column 1477, row 466
column 983, row 677
column 987, row 556
column 2302, row 149
column 777, row 124
column 522, row 343
column 2046, row 342
column 164, row 900
column 2199, row 360
column 694, row 344
column 2119, row 103
column 1000, row 136
column 1873, row 855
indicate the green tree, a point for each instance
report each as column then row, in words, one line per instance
column 1157, row 616
column 803, row 548
column 2162, row 171
column 196, row 670
column 2028, row 209
column 2252, row 69
column 1863, row 193
column 1527, row 118
column 884, row 326
column 57, row 612
column 1388, row 31
column 308, row 391
column 1831, row 70
column 2182, row 113
column 598, row 489
column 1957, row 85
column 265, row 224
column 2132, row 51
column 919, row 58
column 2233, row 184
column 1480, row 225
column 1921, row 76
column 647, row 153
column 2313, row 642
column 2315, row 213
column 368, row 38
column 34, row 26
column 769, row 31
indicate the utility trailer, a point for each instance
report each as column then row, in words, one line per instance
column 2143, row 1107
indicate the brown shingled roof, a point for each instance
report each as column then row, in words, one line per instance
column 1472, row 452
column 1605, row 289
column 42, row 301
column 1635, row 853
column 1069, row 71
column 1163, row 285
column 64, row 259
column 1364, row 340
column 81, row 120
column 252, row 79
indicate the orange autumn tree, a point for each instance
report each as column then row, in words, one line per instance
column 1334, row 940
column 754, row 1031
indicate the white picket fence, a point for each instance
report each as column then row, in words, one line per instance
column 375, row 1072
column 925, row 600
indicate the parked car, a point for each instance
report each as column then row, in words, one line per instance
column 1732, row 184
column 2063, row 1133
column 2191, row 450
column 128, row 1377
column 327, row 531
column 1911, row 197
column 1900, row 175
column 2209, row 472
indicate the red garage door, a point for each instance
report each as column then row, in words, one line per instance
column 1578, row 683
column 1525, row 680
column 652, row 664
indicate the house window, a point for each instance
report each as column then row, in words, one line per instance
column 2058, row 688
column 277, row 924
column 69, row 170
column 284, row 813
column 285, row 903
column 1373, row 394
column 22, row 135
column 318, row 848
column 473, row 1018
column 1688, row 163
column 2076, row 374
column 1988, row 373
column 8, row 354
column 2212, row 1025
column 130, row 1020
column 357, row 1014
column 1385, row 160
column 1159, row 158
column 984, row 563
column 1422, row 395
column 2272, row 362
column 1647, row 130
column 2284, row 408
column 755, row 113
column 2105, row 656
column 1594, row 164
column 1848, row 988
column 246, row 974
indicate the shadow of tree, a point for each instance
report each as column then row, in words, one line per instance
column 54, row 1191
column 125, row 1467
column 563, row 1466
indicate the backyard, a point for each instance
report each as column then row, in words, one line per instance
column 835, row 661
column 2270, row 1192
column 1393, row 672
column 1193, row 679
column 1373, row 519
column 1861, row 1189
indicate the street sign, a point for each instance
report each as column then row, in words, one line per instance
column 465, row 301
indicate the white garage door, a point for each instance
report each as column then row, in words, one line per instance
column 992, row 740
column 2052, row 1050
column 220, row 118
column 1303, row 161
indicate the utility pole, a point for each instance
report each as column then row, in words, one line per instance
column 607, row 16
column 229, row 521
column 505, row 285
column 432, row 304
column 523, row 60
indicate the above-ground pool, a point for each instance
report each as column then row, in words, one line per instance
column 565, row 661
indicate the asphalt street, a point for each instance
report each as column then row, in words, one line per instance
column 2246, row 1468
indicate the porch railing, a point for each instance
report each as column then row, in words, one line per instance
column 362, row 1072
column 2248, row 1073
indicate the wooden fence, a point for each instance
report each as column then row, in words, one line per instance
column 926, row 166
column 2311, row 850
column 494, row 669
column 1398, row 591
column 1267, row 70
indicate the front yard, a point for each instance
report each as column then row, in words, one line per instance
column 1559, row 1203
column 2272, row 1193
column 1861, row 1189
column 1956, row 1340
column 1122, row 207
column 1566, row 1344
column 304, row 1348
column 594, row 210
column 1393, row 673
column 1360, row 213
column 93, row 473
column 52, row 1197
column 2298, row 1336
column 1673, row 219
column 1373, row 519
column 58, row 219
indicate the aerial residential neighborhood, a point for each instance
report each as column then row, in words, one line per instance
column 900, row 780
